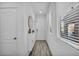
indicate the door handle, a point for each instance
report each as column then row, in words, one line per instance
column 14, row 38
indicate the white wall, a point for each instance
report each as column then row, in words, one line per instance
column 29, row 39
column 57, row 46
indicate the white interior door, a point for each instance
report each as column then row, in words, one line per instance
column 8, row 31
column 40, row 28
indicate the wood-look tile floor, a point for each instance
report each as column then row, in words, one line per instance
column 41, row 49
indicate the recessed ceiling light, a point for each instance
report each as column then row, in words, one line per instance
column 40, row 12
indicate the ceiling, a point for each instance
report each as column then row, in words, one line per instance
column 40, row 7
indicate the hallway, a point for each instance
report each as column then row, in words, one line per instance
column 41, row 48
column 39, row 29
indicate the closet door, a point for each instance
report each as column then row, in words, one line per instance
column 8, row 31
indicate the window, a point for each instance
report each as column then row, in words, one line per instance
column 70, row 26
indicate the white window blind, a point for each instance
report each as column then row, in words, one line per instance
column 71, row 25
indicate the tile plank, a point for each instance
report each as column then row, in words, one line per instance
column 41, row 49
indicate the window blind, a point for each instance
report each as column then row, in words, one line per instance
column 71, row 25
